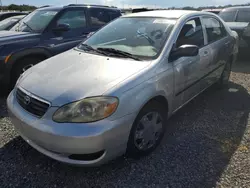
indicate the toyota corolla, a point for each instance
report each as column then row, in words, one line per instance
column 114, row 92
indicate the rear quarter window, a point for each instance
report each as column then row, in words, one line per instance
column 243, row 16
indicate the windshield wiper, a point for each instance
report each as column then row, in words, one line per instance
column 28, row 26
column 90, row 48
column 151, row 41
column 119, row 53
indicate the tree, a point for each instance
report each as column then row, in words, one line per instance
column 20, row 7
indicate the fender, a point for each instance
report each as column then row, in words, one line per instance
column 133, row 100
column 15, row 56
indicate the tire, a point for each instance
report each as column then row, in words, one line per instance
column 22, row 66
column 149, row 111
column 224, row 79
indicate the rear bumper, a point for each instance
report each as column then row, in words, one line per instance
column 62, row 141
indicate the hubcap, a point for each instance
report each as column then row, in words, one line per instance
column 26, row 68
column 148, row 131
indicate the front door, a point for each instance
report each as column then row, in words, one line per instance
column 189, row 71
column 60, row 41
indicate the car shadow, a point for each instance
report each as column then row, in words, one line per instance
column 199, row 143
column 243, row 63
column 241, row 67
column 3, row 109
column 3, row 97
column 4, row 91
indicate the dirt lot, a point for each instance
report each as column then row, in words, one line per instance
column 207, row 144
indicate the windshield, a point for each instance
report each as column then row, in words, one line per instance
column 36, row 21
column 228, row 16
column 143, row 37
column 7, row 23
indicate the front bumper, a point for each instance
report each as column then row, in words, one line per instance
column 62, row 140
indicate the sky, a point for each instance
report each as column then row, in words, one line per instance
column 130, row 3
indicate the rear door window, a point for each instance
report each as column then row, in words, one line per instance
column 215, row 30
column 99, row 17
column 74, row 18
column 228, row 16
column 243, row 16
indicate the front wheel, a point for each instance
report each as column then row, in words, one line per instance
column 147, row 130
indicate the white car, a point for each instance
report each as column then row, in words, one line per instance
column 114, row 92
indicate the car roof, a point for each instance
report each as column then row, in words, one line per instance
column 214, row 10
column 54, row 8
column 57, row 8
column 2, row 13
column 172, row 14
column 236, row 8
column 19, row 16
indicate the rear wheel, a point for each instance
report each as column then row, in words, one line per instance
column 147, row 130
column 224, row 79
column 21, row 67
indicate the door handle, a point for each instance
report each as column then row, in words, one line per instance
column 227, row 43
column 205, row 54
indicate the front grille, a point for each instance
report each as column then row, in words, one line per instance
column 31, row 103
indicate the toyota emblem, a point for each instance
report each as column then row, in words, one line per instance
column 26, row 100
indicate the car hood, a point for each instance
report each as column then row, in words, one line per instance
column 13, row 36
column 74, row 75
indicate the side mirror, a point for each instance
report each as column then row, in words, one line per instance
column 184, row 51
column 62, row 27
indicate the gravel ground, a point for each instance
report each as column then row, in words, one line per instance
column 207, row 144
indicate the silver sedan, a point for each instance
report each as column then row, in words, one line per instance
column 114, row 92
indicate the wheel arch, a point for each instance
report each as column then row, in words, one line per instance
column 40, row 53
column 32, row 52
column 158, row 98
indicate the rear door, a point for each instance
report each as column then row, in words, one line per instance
column 190, row 71
column 220, row 45
column 65, row 40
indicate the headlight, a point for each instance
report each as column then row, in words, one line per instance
column 86, row 110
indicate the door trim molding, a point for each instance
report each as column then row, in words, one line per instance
column 195, row 82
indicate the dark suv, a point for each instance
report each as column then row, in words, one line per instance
column 46, row 32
